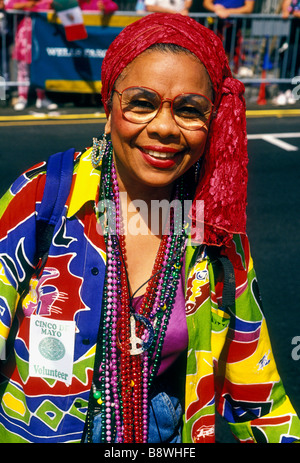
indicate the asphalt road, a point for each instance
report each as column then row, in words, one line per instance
column 273, row 213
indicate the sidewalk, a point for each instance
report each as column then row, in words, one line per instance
column 69, row 110
column 271, row 110
column 68, row 104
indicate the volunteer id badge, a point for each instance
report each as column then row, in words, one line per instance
column 51, row 348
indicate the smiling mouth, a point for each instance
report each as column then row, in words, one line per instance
column 161, row 155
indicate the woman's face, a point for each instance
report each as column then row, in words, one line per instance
column 157, row 153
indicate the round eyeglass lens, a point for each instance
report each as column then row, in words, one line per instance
column 191, row 111
column 139, row 104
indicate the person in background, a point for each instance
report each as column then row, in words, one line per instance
column 289, row 9
column 224, row 8
column 140, row 7
column 105, row 6
column 168, row 6
column 23, row 53
column 6, row 40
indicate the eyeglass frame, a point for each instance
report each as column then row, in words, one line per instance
column 162, row 101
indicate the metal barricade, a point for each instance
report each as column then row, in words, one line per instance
column 8, row 72
column 260, row 47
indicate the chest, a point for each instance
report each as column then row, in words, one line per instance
column 141, row 252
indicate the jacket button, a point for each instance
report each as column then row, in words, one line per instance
column 95, row 271
column 86, row 341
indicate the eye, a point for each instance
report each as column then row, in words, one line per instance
column 140, row 105
column 140, row 100
column 190, row 112
column 192, row 107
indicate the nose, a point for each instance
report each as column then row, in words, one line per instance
column 163, row 123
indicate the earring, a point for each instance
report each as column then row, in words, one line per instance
column 99, row 147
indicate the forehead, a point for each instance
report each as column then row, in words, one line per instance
column 167, row 72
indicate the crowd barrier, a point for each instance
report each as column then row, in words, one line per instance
column 261, row 48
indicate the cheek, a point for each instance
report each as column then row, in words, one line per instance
column 121, row 131
column 115, row 124
column 197, row 145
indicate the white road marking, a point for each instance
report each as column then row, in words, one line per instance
column 275, row 139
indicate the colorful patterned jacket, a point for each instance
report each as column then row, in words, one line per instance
column 230, row 366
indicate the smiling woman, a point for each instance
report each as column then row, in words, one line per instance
column 154, row 151
column 169, row 326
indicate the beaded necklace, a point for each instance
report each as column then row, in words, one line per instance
column 130, row 343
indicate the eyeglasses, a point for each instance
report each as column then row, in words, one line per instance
column 141, row 105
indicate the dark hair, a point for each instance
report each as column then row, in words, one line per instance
column 170, row 47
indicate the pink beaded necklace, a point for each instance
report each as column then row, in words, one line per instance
column 130, row 343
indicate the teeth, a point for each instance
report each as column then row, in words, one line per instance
column 155, row 154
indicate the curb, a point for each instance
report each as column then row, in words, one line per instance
column 55, row 117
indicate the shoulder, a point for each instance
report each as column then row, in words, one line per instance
column 238, row 251
column 25, row 190
column 28, row 189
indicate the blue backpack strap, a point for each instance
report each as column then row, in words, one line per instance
column 57, row 188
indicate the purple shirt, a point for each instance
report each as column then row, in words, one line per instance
column 176, row 337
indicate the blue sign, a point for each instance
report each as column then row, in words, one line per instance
column 60, row 65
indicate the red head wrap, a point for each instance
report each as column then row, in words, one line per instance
column 223, row 178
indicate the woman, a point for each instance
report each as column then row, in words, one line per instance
column 23, row 53
column 158, row 367
column 230, row 31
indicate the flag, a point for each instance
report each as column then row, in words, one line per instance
column 70, row 14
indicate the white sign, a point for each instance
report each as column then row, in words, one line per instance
column 51, row 348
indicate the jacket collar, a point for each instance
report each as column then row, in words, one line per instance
column 86, row 184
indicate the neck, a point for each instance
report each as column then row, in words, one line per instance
column 139, row 202
column 145, row 193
